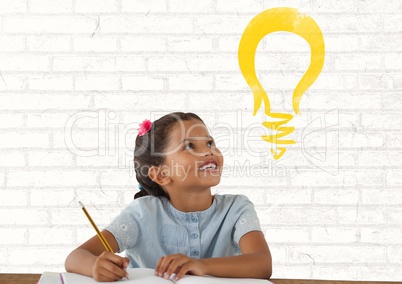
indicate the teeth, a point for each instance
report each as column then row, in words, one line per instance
column 208, row 166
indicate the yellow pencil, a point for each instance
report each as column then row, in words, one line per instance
column 100, row 235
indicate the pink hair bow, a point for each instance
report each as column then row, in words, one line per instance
column 145, row 126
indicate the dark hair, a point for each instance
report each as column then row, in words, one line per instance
column 149, row 150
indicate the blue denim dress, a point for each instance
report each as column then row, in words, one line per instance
column 150, row 227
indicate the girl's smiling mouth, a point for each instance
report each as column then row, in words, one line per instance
column 211, row 165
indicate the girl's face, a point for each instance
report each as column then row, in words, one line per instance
column 192, row 159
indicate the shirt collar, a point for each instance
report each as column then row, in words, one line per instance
column 189, row 216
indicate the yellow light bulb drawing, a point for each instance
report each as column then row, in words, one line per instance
column 276, row 20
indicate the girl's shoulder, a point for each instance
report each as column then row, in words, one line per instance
column 145, row 203
column 231, row 199
column 231, row 196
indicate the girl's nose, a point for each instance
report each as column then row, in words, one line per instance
column 209, row 152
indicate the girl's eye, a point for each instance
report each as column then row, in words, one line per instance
column 189, row 146
column 210, row 143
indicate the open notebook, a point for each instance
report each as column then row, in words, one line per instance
column 146, row 276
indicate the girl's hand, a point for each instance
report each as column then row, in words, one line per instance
column 179, row 264
column 109, row 267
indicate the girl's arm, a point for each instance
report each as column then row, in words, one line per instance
column 92, row 260
column 254, row 262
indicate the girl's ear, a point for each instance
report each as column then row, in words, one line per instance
column 159, row 176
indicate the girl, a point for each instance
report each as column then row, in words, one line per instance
column 178, row 226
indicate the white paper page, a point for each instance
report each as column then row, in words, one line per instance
column 50, row 278
column 136, row 276
column 189, row 279
column 146, row 276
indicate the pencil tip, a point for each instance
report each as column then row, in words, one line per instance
column 80, row 203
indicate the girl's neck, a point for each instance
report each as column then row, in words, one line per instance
column 192, row 202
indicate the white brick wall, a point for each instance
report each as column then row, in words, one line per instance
column 330, row 207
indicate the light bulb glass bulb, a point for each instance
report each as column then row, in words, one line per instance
column 269, row 21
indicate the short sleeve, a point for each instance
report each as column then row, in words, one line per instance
column 125, row 228
column 247, row 220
